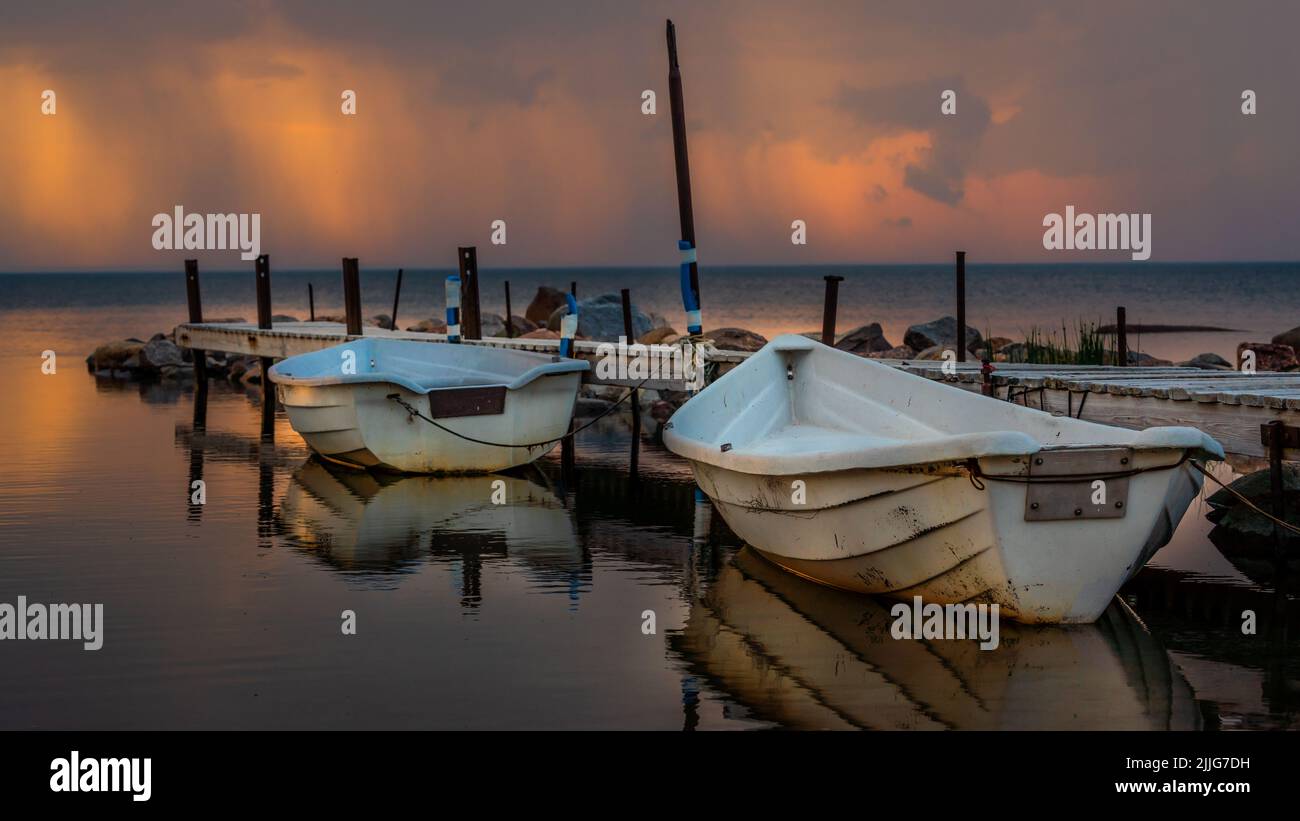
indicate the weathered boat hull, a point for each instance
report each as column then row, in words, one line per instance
column 358, row 425
column 937, row 535
column 856, row 475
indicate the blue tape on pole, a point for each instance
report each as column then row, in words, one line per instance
column 568, row 326
column 690, row 299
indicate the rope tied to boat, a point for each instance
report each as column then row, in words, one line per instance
column 415, row 412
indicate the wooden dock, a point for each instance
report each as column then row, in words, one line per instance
column 1228, row 405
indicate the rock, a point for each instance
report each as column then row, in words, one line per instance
column 1291, row 337
column 933, row 352
column 544, row 304
column 1239, row 530
column 113, row 354
column 380, row 320
column 865, row 340
column 231, row 319
column 252, row 375
column 1208, row 361
column 1144, row 360
column 235, row 370
column 658, row 321
column 601, row 318
column 657, row 335
column 491, row 325
column 429, row 326
column 997, row 343
column 158, row 336
column 284, row 318
column 1270, row 357
column 661, row 411
column 520, row 325
column 942, row 332
column 899, row 352
column 736, row 339
column 342, row 319
column 1015, row 352
column 541, row 333
column 160, row 353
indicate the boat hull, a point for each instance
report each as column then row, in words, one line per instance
column 937, row 534
column 357, row 424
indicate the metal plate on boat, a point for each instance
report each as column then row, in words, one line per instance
column 1096, row 494
column 452, row 402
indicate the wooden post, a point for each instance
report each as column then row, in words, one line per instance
column 573, row 289
column 685, row 210
column 1121, row 337
column 352, row 295
column 510, row 325
column 195, row 300
column 1275, row 434
column 961, row 306
column 829, row 308
column 471, row 326
column 397, row 295
column 635, row 399
column 262, row 268
column 311, row 304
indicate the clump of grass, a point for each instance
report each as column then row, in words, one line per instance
column 1085, row 346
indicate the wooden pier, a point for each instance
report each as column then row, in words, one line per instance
column 1228, row 405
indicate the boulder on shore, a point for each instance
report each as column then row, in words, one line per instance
column 429, row 326
column 897, row 352
column 656, row 336
column 1208, row 362
column 112, row 355
column 864, row 341
column 601, row 318
column 540, row 333
column 1291, row 337
column 736, row 339
column 160, row 353
column 519, row 324
column 1270, row 357
column 544, row 304
column 941, row 332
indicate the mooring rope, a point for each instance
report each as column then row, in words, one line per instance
column 413, row 411
column 1247, row 502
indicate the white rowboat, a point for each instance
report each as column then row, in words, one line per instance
column 352, row 404
column 863, row 477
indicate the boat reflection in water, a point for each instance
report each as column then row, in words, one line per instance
column 805, row 656
column 376, row 526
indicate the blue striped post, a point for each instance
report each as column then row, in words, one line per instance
column 568, row 326
column 453, row 308
column 690, row 294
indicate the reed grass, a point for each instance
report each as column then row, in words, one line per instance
column 1084, row 346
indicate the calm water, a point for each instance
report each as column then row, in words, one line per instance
column 227, row 615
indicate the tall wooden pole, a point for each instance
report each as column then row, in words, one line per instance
column 510, row 324
column 262, row 268
column 397, row 295
column 470, row 321
column 195, row 300
column 1121, row 336
column 352, row 295
column 961, row 306
column 685, row 210
column 636, row 395
column 829, row 308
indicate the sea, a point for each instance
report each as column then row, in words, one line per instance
column 295, row 594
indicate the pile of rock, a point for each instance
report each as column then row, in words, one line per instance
column 158, row 358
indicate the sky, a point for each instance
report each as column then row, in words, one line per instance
column 531, row 112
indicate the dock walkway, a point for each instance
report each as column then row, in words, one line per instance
column 1228, row 405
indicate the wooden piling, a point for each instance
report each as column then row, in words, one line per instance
column 397, row 295
column 352, row 295
column 262, row 269
column 194, row 298
column 510, row 325
column 635, row 399
column 311, row 303
column 830, row 307
column 573, row 289
column 1275, row 437
column 961, row 306
column 682, row 166
column 471, row 324
column 1121, row 337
